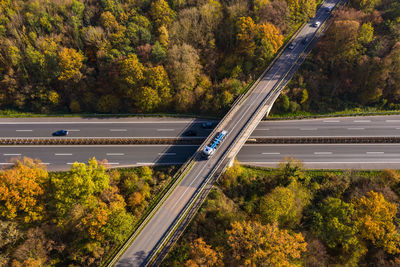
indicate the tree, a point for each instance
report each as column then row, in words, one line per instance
column 258, row 245
column 147, row 99
column 269, row 39
column 183, row 65
column 247, row 30
column 201, row 254
column 374, row 219
column 366, row 5
column 77, row 186
column 334, row 225
column 157, row 79
column 132, row 71
column 161, row 13
column 283, row 206
column 21, row 191
column 70, row 63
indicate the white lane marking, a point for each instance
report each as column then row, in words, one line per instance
column 271, row 153
column 308, row 129
column 6, row 163
column 11, row 154
column 24, row 130
column 374, row 152
column 118, row 130
column 73, row 130
column 322, row 153
column 392, row 120
column 115, row 154
column 63, row 154
column 144, row 163
column 397, row 128
column 362, row 121
column 167, row 154
column 113, row 163
column 165, row 130
column 355, row 128
column 44, row 163
column 331, row 121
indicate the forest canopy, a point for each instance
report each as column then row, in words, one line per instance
column 114, row 56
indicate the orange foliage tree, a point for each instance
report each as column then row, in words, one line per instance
column 21, row 188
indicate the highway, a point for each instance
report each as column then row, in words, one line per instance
column 317, row 156
column 235, row 123
column 167, row 127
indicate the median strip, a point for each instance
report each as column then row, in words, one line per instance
column 193, row 141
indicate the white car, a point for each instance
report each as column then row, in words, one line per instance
column 292, row 45
column 316, row 24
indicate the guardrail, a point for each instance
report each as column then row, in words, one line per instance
column 102, row 141
column 326, row 140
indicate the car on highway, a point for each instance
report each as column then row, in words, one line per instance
column 305, row 40
column 316, row 24
column 328, row 9
column 190, row 133
column 292, row 45
column 60, row 133
column 207, row 125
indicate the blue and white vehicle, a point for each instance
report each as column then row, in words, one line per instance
column 209, row 150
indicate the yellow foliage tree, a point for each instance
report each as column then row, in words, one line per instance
column 21, row 189
column 70, row 63
column 201, row 254
column 374, row 219
column 254, row 244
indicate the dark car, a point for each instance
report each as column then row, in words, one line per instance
column 305, row 40
column 60, row 133
column 207, row 125
column 190, row 133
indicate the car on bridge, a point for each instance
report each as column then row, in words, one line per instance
column 209, row 150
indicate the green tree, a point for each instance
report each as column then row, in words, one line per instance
column 334, row 225
column 77, row 186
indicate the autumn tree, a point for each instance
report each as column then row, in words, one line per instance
column 161, row 13
column 21, row 191
column 254, row 244
column 201, row 254
column 374, row 219
column 77, row 186
column 284, row 205
column 183, row 65
column 70, row 63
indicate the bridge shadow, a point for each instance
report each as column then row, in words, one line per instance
column 178, row 154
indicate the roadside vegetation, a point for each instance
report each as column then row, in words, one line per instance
column 146, row 56
column 354, row 66
column 72, row 218
column 292, row 217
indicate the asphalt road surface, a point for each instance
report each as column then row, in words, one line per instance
column 317, row 156
column 170, row 127
column 159, row 225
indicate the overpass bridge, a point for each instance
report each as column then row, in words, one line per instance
column 168, row 219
